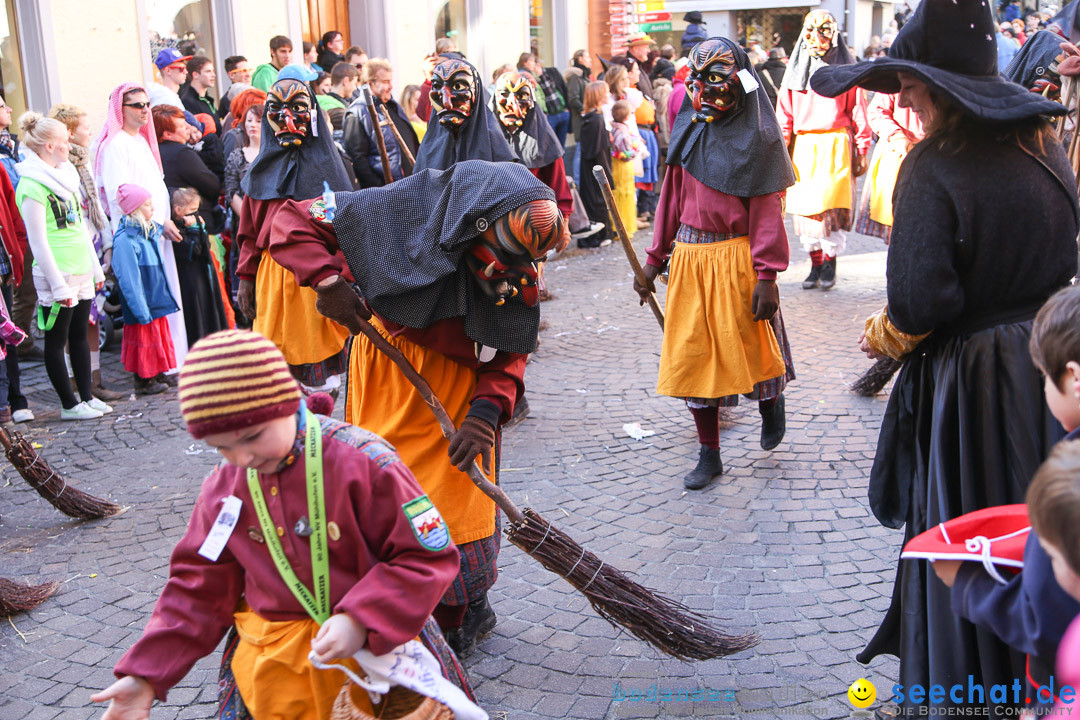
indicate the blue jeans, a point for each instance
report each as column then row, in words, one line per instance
column 560, row 123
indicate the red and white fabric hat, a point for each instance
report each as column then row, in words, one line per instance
column 993, row 536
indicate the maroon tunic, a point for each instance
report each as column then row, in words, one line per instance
column 686, row 200
column 380, row 574
column 308, row 248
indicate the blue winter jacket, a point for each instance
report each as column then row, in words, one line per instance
column 1030, row 613
column 136, row 262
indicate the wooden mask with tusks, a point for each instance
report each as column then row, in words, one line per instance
column 514, row 99
column 289, row 112
column 453, row 92
column 819, row 32
column 713, row 83
column 504, row 254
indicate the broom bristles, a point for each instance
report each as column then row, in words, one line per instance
column 51, row 485
column 16, row 597
column 666, row 624
column 876, row 378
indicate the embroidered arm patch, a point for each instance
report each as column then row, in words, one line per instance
column 427, row 524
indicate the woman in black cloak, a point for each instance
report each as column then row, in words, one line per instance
column 986, row 220
column 594, row 144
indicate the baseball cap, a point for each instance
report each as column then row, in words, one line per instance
column 170, row 56
column 297, row 72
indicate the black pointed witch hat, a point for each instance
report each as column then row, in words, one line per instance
column 950, row 45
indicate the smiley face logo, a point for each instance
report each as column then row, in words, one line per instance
column 862, row 693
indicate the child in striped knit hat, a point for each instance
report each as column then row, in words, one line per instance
column 311, row 536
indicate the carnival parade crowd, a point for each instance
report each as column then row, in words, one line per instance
column 308, row 233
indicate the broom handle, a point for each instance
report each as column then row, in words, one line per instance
column 624, row 239
column 401, row 143
column 378, row 136
column 5, row 439
column 448, row 429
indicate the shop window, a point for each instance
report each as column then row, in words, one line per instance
column 181, row 24
column 771, row 28
column 11, row 76
column 452, row 23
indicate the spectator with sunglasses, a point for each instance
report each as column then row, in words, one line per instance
column 126, row 151
column 174, row 73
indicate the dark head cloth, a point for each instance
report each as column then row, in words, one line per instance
column 1066, row 23
column 404, row 244
column 952, row 47
column 802, row 65
column 297, row 173
column 741, row 154
column 535, row 143
column 1037, row 60
column 480, row 137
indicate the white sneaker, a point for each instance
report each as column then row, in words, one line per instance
column 82, row 411
column 605, row 242
column 99, row 405
column 21, row 416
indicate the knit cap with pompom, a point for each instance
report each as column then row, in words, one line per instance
column 232, row 380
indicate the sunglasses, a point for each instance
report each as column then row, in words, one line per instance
column 138, row 105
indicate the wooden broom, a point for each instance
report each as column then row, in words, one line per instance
column 666, row 624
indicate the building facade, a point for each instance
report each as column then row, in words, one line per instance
column 76, row 51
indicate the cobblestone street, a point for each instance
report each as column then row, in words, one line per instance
column 783, row 543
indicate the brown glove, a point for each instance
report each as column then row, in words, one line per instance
column 474, row 437
column 650, row 272
column 245, row 297
column 339, row 302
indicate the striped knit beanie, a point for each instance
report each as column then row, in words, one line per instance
column 232, row 380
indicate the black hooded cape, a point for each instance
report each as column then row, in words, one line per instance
column 295, row 172
column 742, row 154
column 480, row 137
column 535, row 143
column 1033, row 61
column 404, row 244
column 803, row 65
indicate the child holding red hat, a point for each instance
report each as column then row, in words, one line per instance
column 311, row 537
column 1032, row 611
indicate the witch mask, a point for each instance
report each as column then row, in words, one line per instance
column 819, row 32
column 288, row 110
column 453, row 92
column 713, row 82
column 514, row 99
column 503, row 257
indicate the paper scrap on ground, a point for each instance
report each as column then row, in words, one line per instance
column 634, row 430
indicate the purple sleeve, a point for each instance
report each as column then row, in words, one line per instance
column 668, row 211
column 768, row 238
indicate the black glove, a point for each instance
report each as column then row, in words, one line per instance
column 339, row 302
column 474, row 437
column 765, row 301
column 245, row 297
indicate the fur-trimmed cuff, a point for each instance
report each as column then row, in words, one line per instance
column 884, row 338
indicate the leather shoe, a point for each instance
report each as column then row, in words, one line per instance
column 773, row 423
column 708, row 467
column 479, row 620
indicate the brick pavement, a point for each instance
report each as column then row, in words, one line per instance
column 783, row 543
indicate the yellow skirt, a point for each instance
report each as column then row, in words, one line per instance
column 383, row 401
column 823, row 165
column 622, row 172
column 713, row 347
column 274, row 676
column 286, row 315
column 881, row 179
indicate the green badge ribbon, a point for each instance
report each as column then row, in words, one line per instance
column 317, row 605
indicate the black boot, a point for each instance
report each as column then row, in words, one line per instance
column 813, row 279
column 708, row 467
column 479, row 620
column 773, row 423
column 828, row 274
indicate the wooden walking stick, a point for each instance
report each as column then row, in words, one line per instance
column 400, row 141
column 50, row 484
column 624, row 238
column 666, row 624
column 387, row 177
